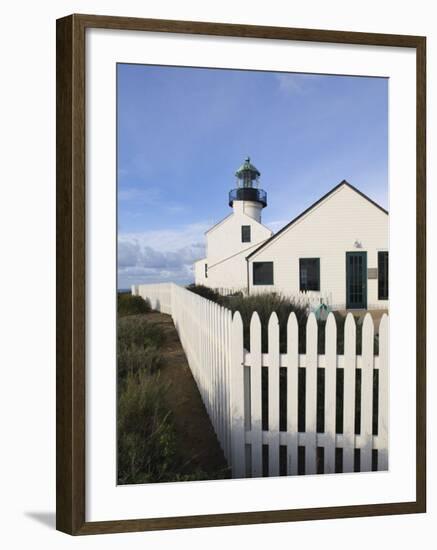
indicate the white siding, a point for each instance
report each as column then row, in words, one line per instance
column 328, row 231
column 199, row 272
column 226, row 254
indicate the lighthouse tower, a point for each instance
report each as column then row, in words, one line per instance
column 247, row 197
column 230, row 240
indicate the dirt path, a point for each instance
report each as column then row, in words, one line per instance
column 196, row 437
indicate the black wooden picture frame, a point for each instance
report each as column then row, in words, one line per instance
column 71, row 254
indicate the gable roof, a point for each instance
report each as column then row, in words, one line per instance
column 229, row 216
column 218, row 223
column 331, row 192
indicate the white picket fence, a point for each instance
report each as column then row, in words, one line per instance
column 159, row 296
column 230, row 381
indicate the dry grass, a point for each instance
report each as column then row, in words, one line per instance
column 131, row 305
column 150, row 448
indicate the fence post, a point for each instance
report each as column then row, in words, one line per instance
column 237, row 398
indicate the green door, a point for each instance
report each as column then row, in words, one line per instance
column 356, row 280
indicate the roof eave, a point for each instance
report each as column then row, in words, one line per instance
column 311, row 207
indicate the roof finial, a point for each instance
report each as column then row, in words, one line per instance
column 247, row 171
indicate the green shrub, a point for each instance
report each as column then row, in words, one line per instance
column 135, row 358
column 139, row 331
column 147, row 448
column 131, row 305
column 341, row 321
column 205, row 292
column 147, row 442
column 146, row 439
column 264, row 305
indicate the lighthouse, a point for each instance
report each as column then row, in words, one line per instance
column 230, row 240
column 247, row 197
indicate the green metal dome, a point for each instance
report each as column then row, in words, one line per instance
column 247, row 171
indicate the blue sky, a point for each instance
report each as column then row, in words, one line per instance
column 182, row 133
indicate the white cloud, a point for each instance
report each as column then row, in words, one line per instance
column 147, row 196
column 143, row 194
column 160, row 255
column 290, row 83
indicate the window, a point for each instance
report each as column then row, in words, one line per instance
column 206, row 271
column 245, row 233
column 262, row 273
column 382, row 275
column 309, row 273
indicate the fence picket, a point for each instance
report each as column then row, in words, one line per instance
column 208, row 363
column 256, row 395
column 205, row 348
column 292, row 393
column 367, row 394
column 311, row 396
column 199, row 367
column 349, row 375
column 237, row 398
column 218, row 389
column 383, row 392
column 228, row 382
column 330, row 392
column 214, row 365
column 221, row 377
column 273, row 393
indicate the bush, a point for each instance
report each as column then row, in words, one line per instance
column 134, row 358
column 131, row 305
column 138, row 331
column 264, row 305
column 341, row 321
column 138, row 345
column 145, row 434
column 146, row 439
column 147, row 448
column 205, row 292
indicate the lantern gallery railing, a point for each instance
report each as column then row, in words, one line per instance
column 248, row 194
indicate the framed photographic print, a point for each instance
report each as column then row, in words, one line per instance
column 240, row 274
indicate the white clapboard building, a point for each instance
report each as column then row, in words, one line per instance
column 337, row 247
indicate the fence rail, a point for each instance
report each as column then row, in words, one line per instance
column 284, row 413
